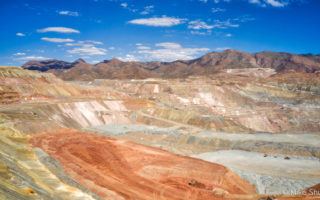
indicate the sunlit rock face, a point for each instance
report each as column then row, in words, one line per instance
column 135, row 171
column 230, row 135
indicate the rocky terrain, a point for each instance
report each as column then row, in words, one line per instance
column 238, row 133
column 210, row 63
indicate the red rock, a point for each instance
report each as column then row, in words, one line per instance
column 134, row 171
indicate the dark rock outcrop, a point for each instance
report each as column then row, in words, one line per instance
column 46, row 65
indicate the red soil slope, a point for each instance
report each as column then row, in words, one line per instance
column 117, row 169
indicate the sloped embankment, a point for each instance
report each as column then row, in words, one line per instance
column 24, row 176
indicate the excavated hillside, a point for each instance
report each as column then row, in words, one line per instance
column 237, row 134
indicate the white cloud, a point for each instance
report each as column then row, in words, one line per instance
column 276, row 3
column 84, row 42
column 224, row 24
column 244, row 18
column 141, row 47
column 218, row 1
column 58, row 30
column 228, row 35
column 19, row 54
column 68, row 13
column 20, row 34
column 158, row 21
column 124, row 5
column 89, row 50
column 221, row 48
column 255, row 1
column 128, row 58
column 216, row 10
column 28, row 58
column 90, row 42
column 262, row 3
column 86, row 48
column 72, row 44
column 198, row 25
column 169, row 45
column 169, row 51
column 206, row 32
column 273, row 3
column 147, row 10
column 57, row 40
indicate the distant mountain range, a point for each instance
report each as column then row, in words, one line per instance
column 207, row 64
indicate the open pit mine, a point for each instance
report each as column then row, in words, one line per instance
column 217, row 132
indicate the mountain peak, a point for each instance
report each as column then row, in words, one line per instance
column 113, row 61
column 231, row 51
column 79, row 60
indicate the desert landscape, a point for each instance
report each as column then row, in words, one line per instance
column 234, row 133
column 160, row 100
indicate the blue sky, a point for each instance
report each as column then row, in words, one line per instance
column 163, row 30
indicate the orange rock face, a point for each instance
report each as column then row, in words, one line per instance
column 119, row 169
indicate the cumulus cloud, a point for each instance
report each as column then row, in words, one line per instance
column 68, row 13
column 20, row 34
column 158, row 21
column 58, row 30
column 170, row 51
column 57, row 40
